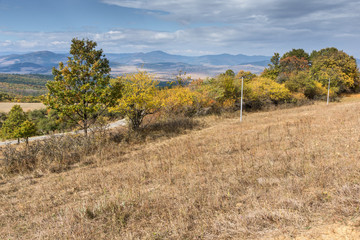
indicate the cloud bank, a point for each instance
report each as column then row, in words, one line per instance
column 233, row 26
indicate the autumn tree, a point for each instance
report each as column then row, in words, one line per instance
column 262, row 90
column 293, row 64
column 81, row 90
column 290, row 67
column 225, row 88
column 247, row 75
column 337, row 65
column 140, row 97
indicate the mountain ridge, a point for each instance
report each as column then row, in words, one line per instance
column 43, row 61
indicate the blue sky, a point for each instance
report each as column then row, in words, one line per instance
column 186, row 27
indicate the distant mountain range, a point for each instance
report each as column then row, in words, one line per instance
column 156, row 62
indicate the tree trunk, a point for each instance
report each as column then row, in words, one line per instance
column 85, row 128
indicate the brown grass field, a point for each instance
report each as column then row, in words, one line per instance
column 6, row 106
column 283, row 174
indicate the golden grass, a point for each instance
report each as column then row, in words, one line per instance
column 6, row 106
column 280, row 174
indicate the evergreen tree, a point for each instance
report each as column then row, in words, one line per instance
column 13, row 122
column 81, row 90
column 27, row 129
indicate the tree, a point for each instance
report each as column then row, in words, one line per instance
column 275, row 60
column 230, row 73
column 248, row 76
column 13, row 122
column 177, row 100
column 337, row 65
column 225, row 88
column 81, row 90
column 181, row 79
column 2, row 119
column 140, row 97
column 265, row 90
column 293, row 64
column 4, row 96
column 290, row 67
column 27, row 129
column 273, row 70
column 299, row 53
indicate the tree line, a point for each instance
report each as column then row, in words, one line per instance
column 309, row 74
column 83, row 91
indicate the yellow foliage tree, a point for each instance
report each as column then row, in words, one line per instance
column 140, row 97
column 262, row 90
column 338, row 66
column 176, row 100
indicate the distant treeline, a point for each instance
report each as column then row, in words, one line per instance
column 25, row 79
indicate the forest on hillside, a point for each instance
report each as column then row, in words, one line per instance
column 22, row 86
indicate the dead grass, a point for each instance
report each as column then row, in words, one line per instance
column 6, row 106
column 278, row 173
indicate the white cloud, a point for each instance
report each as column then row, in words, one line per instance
column 233, row 26
column 233, row 11
column 5, row 43
column 240, row 39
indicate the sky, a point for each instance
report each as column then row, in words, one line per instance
column 184, row 27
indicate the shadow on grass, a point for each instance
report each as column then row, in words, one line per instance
column 165, row 128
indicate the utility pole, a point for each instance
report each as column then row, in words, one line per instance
column 328, row 95
column 241, row 102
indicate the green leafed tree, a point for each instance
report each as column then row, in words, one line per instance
column 81, row 90
column 11, row 125
column 273, row 70
column 298, row 53
column 338, row 66
column 26, row 129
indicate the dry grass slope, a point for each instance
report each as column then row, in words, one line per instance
column 281, row 174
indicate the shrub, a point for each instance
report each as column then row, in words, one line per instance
column 177, row 101
column 262, row 91
column 55, row 154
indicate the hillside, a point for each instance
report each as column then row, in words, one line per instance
column 24, row 84
column 284, row 174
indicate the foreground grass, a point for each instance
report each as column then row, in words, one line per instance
column 279, row 173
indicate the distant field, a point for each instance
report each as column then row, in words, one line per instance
column 6, row 106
